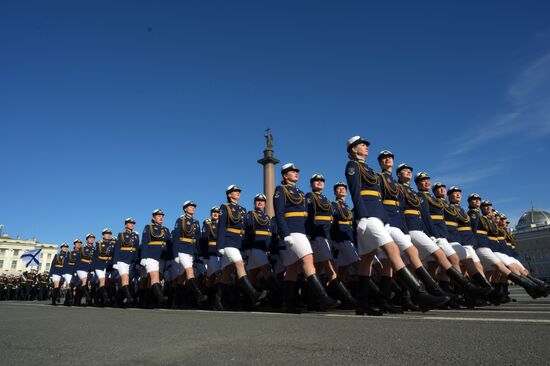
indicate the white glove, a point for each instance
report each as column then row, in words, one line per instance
column 289, row 241
column 115, row 266
column 362, row 225
column 433, row 239
column 408, row 238
column 221, row 251
column 387, row 226
column 143, row 262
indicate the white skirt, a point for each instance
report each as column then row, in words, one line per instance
column 374, row 236
column 230, row 256
column 300, row 248
column 487, row 258
column 400, row 238
column 426, row 247
column 471, row 253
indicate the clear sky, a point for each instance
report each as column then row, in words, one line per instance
column 112, row 109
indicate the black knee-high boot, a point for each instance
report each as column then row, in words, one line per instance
column 199, row 296
column 324, row 301
column 289, row 298
column 424, row 300
column 363, row 306
column 339, row 291
column 159, row 296
column 246, row 286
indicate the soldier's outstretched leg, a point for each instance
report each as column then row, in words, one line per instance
column 424, row 300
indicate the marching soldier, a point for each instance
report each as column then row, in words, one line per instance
column 208, row 251
column 342, row 232
column 372, row 233
column 124, row 256
column 393, row 200
column 468, row 240
column 260, row 231
column 482, row 226
column 84, row 266
column 43, row 284
column 56, row 271
column 185, row 237
column 319, row 222
column 69, row 270
column 154, row 241
column 102, row 261
column 231, row 227
column 291, row 214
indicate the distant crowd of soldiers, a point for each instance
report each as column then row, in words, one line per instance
column 400, row 248
column 27, row 286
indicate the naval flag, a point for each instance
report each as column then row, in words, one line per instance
column 31, row 258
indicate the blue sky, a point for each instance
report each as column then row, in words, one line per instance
column 111, row 110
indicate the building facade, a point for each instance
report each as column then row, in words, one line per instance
column 533, row 242
column 12, row 248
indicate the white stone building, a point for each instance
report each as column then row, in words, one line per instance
column 12, row 248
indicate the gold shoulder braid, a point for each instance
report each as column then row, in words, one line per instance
column 212, row 232
column 391, row 193
column 232, row 219
column 484, row 223
column 185, row 232
column 152, row 234
column 319, row 203
column 259, row 220
column 436, row 203
column 368, row 177
column 411, row 198
column 345, row 216
column 289, row 196
column 462, row 215
column 450, row 209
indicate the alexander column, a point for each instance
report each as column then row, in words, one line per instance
column 269, row 162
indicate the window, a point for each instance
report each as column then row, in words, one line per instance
column 14, row 265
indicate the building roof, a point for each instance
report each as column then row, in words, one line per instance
column 533, row 219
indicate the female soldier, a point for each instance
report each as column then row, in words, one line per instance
column 450, row 216
column 290, row 213
column 56, row 271
column 69, row 270
column 481, row 225
column 260, row 231
column 84, row 265
column 209, row 252
column 186, row 234
column 154, row 241
column 230, row 236
column 102, row 258
column 318, row 225
column 393, row 201
column 469, row 242
column 342, row 232
column 372, row 234
column 124, row 256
